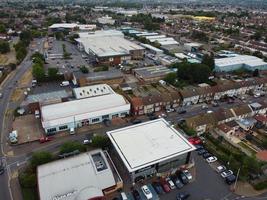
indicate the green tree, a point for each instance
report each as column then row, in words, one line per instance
column 2, row 28
column 52, row 73
column 25, row 37
column 68, row 147
column 28, row 180
column 209, row 61
column 100, row 141
column 4, row 46
column 171, row 78
column 38, row 72
column 39, row 158
column 84, row 70
column 12, row 66
column 257, row 54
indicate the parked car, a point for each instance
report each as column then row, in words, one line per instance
column 2, row 168
column 182, row 196
column 230, row 179
column 171, row 184
column 45, row 139
column 181, row 111
column 177, row 182
column 211, row 159
column 157, row 187
column 170, row 110
column 199, row 147
column 187, row 174
column 206, row 155
column 183, row 178
column 136, row 121
column 195, row 140
column 165, row 186
column 202, row 151
column 221, row 169
column 226, row 173
column 146, row 192
column 136, row 195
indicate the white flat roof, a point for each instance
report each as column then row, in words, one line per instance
column 107, row 43
column 92, row 91
column 76, row 176
column 63, row 25
column 239, row 60
column 148, row 143
column 70, row 111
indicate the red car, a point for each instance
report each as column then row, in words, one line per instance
column 45, row 139
column 195, row 140
column 165, row 186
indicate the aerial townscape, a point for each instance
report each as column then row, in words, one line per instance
column 133, row 100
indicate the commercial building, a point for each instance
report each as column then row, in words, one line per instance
column 90, row 175
column 236, row 62
column 106, row 20
column 96, row 106
column 113, row 76
column 72, row 27
column 151, row 74
column 109, row 47
column 162, row 150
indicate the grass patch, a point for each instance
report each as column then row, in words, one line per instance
column 101, row 68
column 247, row 148
column 17, row 95
column 29, row 193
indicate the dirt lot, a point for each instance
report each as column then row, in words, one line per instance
column 29, row 128
column 17, row 94
column 26, row 79
column 8, row 58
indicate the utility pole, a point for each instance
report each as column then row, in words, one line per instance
column 236, row 178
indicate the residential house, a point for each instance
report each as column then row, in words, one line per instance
column 225, row 130
column 190, row 96
column 261, row 119
column 223, row 115
column 242, row 111
column 247, row 123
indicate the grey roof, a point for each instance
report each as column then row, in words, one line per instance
column 96, row 76
column 48, row 96
column 152, row 72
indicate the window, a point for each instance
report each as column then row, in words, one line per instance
column 95, row 120
column 105, row 117
column 51, row 130
column 116, row 115
column 123, row 114
column 63, row 127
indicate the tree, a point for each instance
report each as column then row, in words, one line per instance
column 100, row 141
column 209, row 61
column 4, row 46
column 171, row 78
column 2, row 28
column 28, row 180
column 39, row 158
column 25, row 37
column 38, row 72
column 12, row 66
column 52, row 73
column 257, row 35
column 68, row 147
column 84, row 69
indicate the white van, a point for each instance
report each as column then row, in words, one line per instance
column 123, row 196
column 72, row 131
column 64, row 83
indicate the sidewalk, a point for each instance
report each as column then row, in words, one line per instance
column 245, row 189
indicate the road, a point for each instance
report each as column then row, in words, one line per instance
column 7, row 89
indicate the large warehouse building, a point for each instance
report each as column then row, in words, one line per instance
column 109, row 47
column 161, row 149
column 88, row 176
column 236, row 61
column 93, row 104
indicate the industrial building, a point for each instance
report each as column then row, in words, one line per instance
column 71, row 27
column 90, row 175
column 98, row 103
column 109, row 47
column 162, row 150
column 151, row 74
column 235, row 62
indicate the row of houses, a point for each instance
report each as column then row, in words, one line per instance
column 194, row 95
column 207, row 121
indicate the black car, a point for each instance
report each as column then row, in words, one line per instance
column 177, row 182
column 230, row 179
column 153, row 117
column 181, row 111
column 206, row 155
column 157, row 187
column 199, row 147
column 202, row 151
column 2, row 168
column 182, row 196
column 136, row 195
column 183, row 178
column 137, row 121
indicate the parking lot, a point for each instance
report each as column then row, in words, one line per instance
column 76, row 60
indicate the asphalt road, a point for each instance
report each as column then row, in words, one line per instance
column 7, row 89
